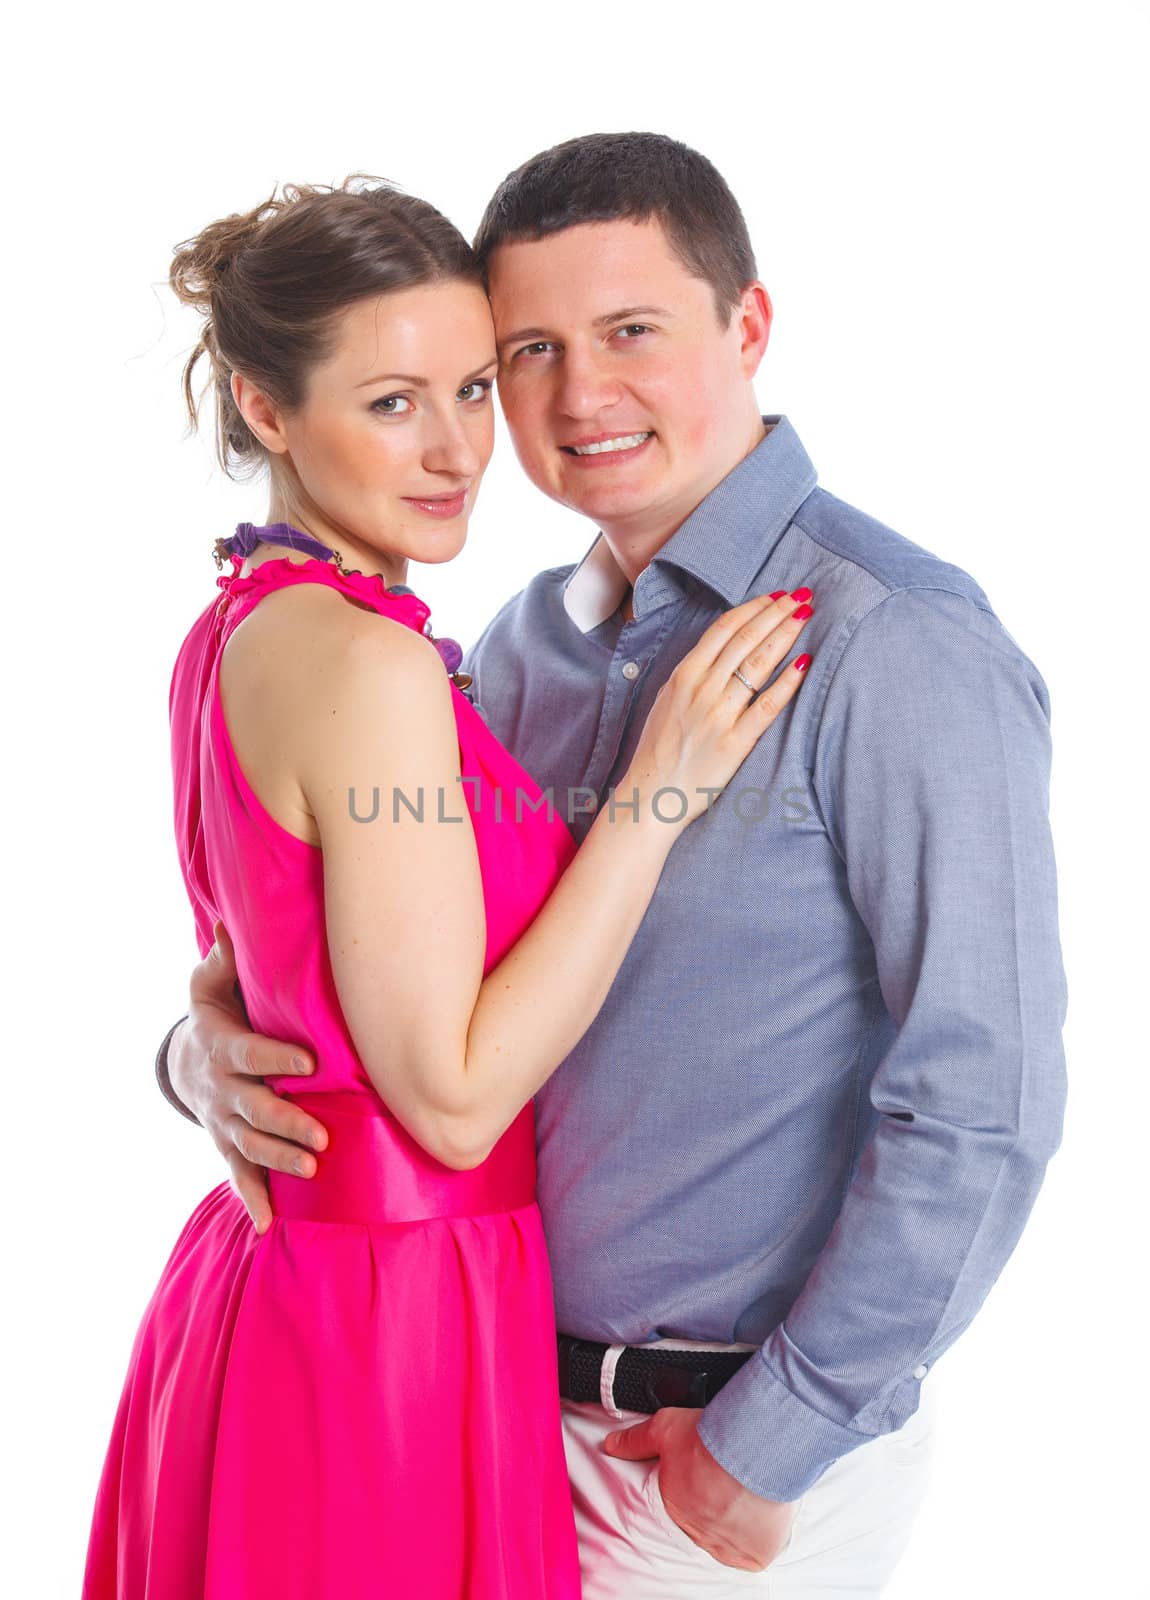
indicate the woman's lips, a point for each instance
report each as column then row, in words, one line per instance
column 442, row 506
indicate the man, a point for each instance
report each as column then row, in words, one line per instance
column 785, row 1164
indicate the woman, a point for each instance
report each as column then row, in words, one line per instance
column 326, row 766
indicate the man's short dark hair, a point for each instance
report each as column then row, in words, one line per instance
column 611, row 177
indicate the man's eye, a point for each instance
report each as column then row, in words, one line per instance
column 538, row 348
column 634, row 328
column 475, row 392
column 392, row 405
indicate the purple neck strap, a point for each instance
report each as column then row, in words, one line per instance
column 247, row 535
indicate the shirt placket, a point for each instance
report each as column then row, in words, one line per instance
column 640, row 643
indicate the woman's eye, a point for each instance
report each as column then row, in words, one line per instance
column 477, row 391
column 392, row 405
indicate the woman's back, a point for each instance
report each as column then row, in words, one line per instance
column 362, row 1400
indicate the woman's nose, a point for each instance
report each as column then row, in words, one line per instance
column 451, row 449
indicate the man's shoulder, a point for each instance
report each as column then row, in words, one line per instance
column 880, row 575
column 526, row 610
column 890, row 560
column 522, row 647
column 890, row 596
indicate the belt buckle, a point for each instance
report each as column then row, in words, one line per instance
column 676, row 1386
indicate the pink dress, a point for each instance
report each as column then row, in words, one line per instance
column 363, row 1402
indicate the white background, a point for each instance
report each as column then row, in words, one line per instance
column 947, row 204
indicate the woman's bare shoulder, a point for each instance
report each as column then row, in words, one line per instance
column 310, row 628
column 309, row 675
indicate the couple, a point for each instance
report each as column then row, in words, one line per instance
column 808, row 1031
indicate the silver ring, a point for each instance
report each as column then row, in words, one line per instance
column 745, row 681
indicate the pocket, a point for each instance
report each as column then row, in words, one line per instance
column 653, row 1497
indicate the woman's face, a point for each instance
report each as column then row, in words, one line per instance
column 385, row 455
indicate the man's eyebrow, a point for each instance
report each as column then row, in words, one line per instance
column 422, row 383
column 524, row 333
column 628, row 313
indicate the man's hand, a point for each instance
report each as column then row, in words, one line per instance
column 217, row 1066
column 736, row 1527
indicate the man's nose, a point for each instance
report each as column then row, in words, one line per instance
column 586, row 384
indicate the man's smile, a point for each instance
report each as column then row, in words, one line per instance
column 607, row 445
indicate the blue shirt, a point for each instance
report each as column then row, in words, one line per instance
column 815, row 1109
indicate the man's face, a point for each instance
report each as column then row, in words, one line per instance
column 626, row 397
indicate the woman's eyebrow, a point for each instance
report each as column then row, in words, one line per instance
column 422, row 383
column 479, row 371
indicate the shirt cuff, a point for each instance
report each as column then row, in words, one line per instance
column 775, row 1444
column 163, row 1078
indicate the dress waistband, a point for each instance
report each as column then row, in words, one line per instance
column 374, row 1171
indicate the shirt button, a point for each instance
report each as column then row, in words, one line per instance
column 920, row 1372
column 631, row 670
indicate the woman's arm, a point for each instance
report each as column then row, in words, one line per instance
column 456, row 1056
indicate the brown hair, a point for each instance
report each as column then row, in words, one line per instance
column 271, row 282
column 611, row 177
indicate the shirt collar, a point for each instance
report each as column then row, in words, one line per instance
column 723, row 543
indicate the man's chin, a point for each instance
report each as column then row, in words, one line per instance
column 604, row 501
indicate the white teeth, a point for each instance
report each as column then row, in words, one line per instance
column 629, row 441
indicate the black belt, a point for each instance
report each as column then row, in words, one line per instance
column 645, row 1378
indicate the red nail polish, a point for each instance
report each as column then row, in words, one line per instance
column 802, row 663
column 801, row 594
column 778, row 594
column 803, row 611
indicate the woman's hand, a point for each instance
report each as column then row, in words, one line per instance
column 705, row 721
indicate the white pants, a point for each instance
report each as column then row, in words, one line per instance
column 848, row 1532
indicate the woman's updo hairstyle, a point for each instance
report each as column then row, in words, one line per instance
column 271, row 282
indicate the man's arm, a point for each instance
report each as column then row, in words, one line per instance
column 931, row 770
column 211, row 1067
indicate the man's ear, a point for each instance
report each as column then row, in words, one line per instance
column 753, row 315
column 261, row 415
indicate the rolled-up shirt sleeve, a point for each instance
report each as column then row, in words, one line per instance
column 931, row 769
